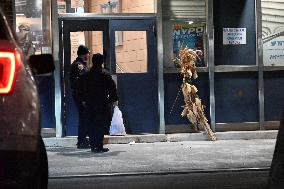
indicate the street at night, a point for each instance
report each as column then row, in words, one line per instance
column 199, row 164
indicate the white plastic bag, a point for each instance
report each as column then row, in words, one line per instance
column 117, row 126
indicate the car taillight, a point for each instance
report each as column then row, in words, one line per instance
column 7, row 71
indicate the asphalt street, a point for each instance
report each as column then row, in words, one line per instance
column 233, row 179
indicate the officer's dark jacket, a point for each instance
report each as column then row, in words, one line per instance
column 97, row 89
column 78, row 67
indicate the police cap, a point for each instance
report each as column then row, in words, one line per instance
column 82, row 50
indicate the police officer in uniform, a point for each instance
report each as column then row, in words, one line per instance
column 25, row 39
column 98, row 91
column 79, row 67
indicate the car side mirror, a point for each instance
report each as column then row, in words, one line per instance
column 41, row 64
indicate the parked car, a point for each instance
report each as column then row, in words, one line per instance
column 23, row 159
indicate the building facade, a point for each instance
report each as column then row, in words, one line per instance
column 240, row 73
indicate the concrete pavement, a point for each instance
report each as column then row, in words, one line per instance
column 162, row 157
column 178, row 137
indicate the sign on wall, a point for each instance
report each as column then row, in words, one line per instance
column 273, row 52
column 190, row 36
column 61, row 6
column 234, row 36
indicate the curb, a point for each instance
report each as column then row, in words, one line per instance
column 161, row 173
column 179, row 137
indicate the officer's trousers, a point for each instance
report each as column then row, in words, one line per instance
column 99, row 122
column 83, row 122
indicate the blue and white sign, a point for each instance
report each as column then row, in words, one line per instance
column 234, row 36
column 273, row 52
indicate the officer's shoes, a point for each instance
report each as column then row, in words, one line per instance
column 98, row 150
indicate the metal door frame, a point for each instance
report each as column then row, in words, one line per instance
column 60, row 128
column 69, row 26
column 149, row 27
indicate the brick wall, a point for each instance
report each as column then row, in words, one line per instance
column 127, row 6
column 8, row 9
column 131, row 56
column 138, row 6
column 97, row 43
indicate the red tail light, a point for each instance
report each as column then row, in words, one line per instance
column 7, row 71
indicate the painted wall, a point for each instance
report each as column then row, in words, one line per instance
column 236, row 14
column 174, row 99
column 273, row 95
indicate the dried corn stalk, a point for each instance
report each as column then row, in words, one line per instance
column 193, row 108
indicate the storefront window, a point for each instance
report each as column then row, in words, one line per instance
column 76, row 39
column 183, row 26
column 122, row 6
column 273, row 59
column 273, row 33
column 131, row 57
column 111, row 6
column 123, row 40
column 29, row 26
column 33, row 26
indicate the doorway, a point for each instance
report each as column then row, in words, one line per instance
column 130, row 46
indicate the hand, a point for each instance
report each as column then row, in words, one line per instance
column 199, row 52
column 115, row 103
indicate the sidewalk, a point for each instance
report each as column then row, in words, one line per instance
column 178, row 137
column 162, row 157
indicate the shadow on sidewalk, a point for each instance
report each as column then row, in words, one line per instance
column 82, row 153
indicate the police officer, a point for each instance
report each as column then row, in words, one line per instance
column 79, row 67
column 98, row 91
column 25, row 39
